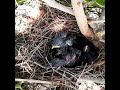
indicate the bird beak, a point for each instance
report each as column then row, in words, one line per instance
column 55, row 46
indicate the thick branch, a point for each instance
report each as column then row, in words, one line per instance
column 54, row 4
column 81, row 18
column 78, row 11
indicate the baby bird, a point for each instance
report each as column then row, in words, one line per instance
column 66, row 56
column 62, row 39
column 67, row 38
column 70, row 49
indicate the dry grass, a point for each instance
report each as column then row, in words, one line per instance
column 32, row 50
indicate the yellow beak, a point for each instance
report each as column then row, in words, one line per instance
column 55, row 46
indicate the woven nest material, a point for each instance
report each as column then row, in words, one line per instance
column 32, row 52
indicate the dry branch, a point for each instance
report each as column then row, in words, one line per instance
column 92, row 79
column 54, row 4
column 81, row 18
column 35, row 81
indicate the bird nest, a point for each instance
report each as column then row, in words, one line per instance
column 31, row 55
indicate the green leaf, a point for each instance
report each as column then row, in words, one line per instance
column 18, row 86
column 88, row 0
column 100, row 2
column 20, row 2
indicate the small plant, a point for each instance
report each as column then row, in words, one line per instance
column 18, row 86
column 20, row 2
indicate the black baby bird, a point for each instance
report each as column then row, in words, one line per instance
column 70, row 48
column 62, row 39
column 66, row 56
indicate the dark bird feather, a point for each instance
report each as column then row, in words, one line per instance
column 70, row 49
column 66, row 56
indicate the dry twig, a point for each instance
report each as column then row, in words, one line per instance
column 54, row 4
column 35, row 81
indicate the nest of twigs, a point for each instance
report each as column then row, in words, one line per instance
column 31, row 55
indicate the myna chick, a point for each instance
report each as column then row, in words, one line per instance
column 57, row 62
column 89, row 54
column 67, row 38
column 62, row 39
column 66, row 56
column 70, row 49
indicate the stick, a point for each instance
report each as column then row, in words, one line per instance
column 54, row 4
column 35, row 81
column 96, row 80
column 78, row 12
column 81, row 18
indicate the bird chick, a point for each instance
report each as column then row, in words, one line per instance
column 57, row 62
column 62, row 39
column 89, row 54
column 70, row 49
column 67, row 38
column 67, row 55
